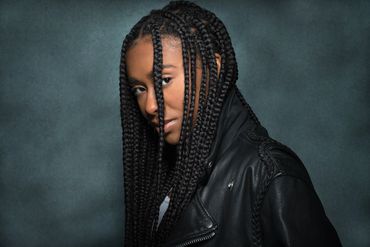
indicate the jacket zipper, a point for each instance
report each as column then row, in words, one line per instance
column 196, row 240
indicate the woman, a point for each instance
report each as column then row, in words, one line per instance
column 199, row 169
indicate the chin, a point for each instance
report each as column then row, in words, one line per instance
column 172, row 138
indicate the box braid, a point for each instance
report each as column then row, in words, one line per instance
column 148, row 174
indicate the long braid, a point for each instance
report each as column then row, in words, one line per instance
column 125, row 116
column 147, row 174
column 196, row 170
column 182, row 168
column 157, row 72
column 188, row 133
column 190, row 174
column 182, row 147
column 132, row 123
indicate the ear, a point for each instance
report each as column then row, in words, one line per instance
column 218, row 61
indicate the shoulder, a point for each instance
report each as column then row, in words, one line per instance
column 254, row 159
column 286, row 207
column 267, row 156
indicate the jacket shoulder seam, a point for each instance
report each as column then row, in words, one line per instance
column 270, row 164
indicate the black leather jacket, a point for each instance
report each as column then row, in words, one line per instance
column 256, row 192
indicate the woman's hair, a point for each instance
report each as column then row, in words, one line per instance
column 148, row 174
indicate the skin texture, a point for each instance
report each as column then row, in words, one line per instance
column 139, row 61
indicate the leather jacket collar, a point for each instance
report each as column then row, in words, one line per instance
column 233, row 118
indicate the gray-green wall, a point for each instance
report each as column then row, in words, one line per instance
column 303, row 67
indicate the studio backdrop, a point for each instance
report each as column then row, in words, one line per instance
column 303, row 68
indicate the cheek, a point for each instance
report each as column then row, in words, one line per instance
column 174, row 96
column 141, row 103
column 173, row 101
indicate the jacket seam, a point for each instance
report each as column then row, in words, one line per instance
column 269, row 163
column 273, row 172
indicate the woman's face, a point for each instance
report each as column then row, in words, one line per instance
column 139, row 61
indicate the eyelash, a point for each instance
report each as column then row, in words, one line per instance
column 134, row 89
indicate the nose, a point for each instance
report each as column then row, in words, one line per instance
column 151, row 106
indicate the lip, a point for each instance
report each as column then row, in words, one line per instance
column 167, row 125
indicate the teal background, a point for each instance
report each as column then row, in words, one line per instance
column 303, row 67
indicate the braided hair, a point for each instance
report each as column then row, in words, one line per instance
column 148, row 172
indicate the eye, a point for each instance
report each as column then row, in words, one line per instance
column 166, row 80
column 138, row 90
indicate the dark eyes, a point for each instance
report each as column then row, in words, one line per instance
column 137, row 90
column 166, row 81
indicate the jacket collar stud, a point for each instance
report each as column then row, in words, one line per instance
column 230, row 185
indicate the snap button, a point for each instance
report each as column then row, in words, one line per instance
column 230, row 185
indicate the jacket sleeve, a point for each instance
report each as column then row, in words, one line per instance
column 292, row 215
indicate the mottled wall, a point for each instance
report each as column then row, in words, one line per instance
column 304, row 68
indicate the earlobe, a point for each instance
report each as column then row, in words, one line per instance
column 218, row 61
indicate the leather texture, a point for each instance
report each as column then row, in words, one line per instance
column 256, row 192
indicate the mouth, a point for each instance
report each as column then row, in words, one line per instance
column 167, row 125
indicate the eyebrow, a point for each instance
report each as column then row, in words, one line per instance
column 132, row 80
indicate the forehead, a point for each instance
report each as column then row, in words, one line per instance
column 140, row 56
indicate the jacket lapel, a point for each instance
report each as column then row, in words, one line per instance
column 200, row 228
